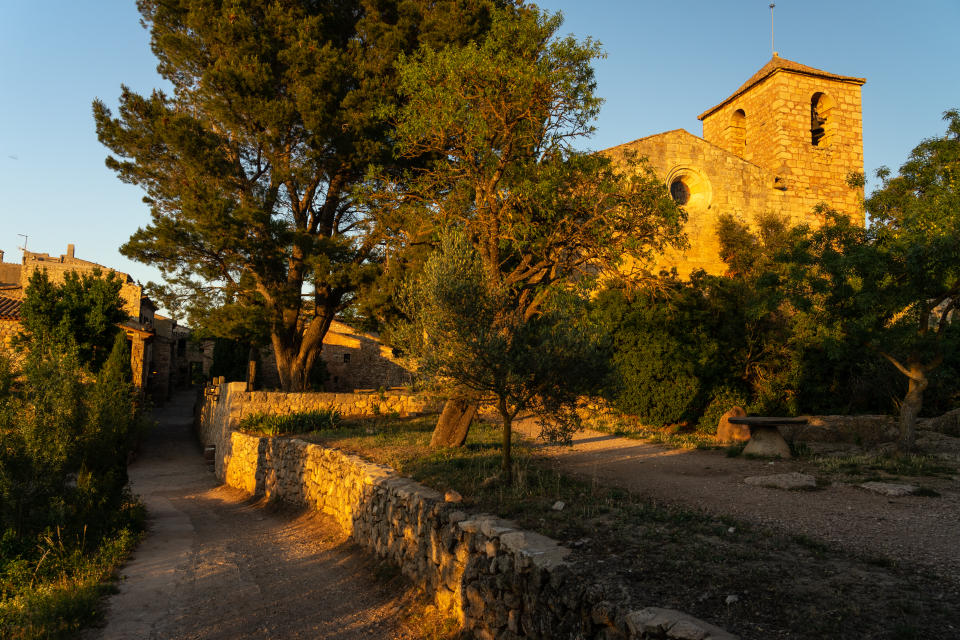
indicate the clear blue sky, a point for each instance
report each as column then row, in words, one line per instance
column 667, row 62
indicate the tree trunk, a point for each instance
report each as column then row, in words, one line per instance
column 253, row 355
column 506, row 472
column 454, row 422
column 910, row 407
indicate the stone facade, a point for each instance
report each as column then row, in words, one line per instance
column 501, row 581
column 353, row 359
column 157, row 361
column 781, row 144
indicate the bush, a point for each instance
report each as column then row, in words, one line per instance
column 664, row 353
column 724, row 399
column 274, row 425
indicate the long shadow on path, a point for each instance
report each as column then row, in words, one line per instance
column 218, row 564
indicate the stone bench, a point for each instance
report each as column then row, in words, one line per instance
column 765, row 437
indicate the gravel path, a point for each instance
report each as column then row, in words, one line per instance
column 920, row 530
column 216, row 564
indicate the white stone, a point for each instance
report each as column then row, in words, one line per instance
column 558, row 505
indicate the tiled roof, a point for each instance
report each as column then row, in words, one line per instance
column 780, row 64
column 9, row 308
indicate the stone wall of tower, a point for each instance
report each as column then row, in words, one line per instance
column 777, row 136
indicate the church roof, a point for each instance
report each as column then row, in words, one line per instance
column 780, row 64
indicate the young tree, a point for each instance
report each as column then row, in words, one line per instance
column 84, row 311
column 251, row 165
column 500, row 117
column 477, row 337
column 915, row 238
column 66, row 426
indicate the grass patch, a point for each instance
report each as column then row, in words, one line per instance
column 787, row 586
column 57, row 588
column 890, row 466
column 262, row 424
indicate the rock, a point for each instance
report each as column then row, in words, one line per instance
column 452, row 496
column 731, row 599
column 891, row 489
column 789, row 481
column 767, row 442
column 654, row 622
column 727, row 432
column 558, row 505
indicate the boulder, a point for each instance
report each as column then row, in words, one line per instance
column 727, row 432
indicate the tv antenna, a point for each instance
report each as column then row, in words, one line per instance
column 25, row 238
column 773, row 48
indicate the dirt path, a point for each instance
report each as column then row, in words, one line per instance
column 216, row 564
column 921, row 530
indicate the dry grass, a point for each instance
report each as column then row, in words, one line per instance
column 788, row 586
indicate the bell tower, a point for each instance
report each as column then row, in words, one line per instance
column 802, row 125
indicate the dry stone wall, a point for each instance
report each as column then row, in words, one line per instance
column 502, row 582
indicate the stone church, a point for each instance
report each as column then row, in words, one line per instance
column 783, row 142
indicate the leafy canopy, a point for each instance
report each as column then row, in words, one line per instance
column 525, row 222
column 251, row 165
column 82, row 313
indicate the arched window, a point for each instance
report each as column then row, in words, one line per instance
column 737, row 132
column 821, row 119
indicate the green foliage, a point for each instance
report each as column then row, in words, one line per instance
column 525, row 221
column 463, row 331
column 229, row 359
column 724, row 399
column 293, row 423
column 252, row 165
column 654, row 372
column 51, row 587
column 66, row 428
column 782, row 332
column 64, row 446
column 84, row 311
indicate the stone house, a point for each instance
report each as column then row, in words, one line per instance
column 158, row 353
column 354, row 360
column 783, row 142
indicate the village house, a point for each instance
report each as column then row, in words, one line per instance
column 162, row 357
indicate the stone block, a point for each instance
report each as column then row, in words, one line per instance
column 729, row 432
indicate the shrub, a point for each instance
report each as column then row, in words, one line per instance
column 304, row 422
column 724, row 399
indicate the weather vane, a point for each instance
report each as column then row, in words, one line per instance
column 773, row 48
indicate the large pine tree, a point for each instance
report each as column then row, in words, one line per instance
column 252, row 165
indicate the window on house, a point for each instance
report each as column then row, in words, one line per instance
column 346, row 358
